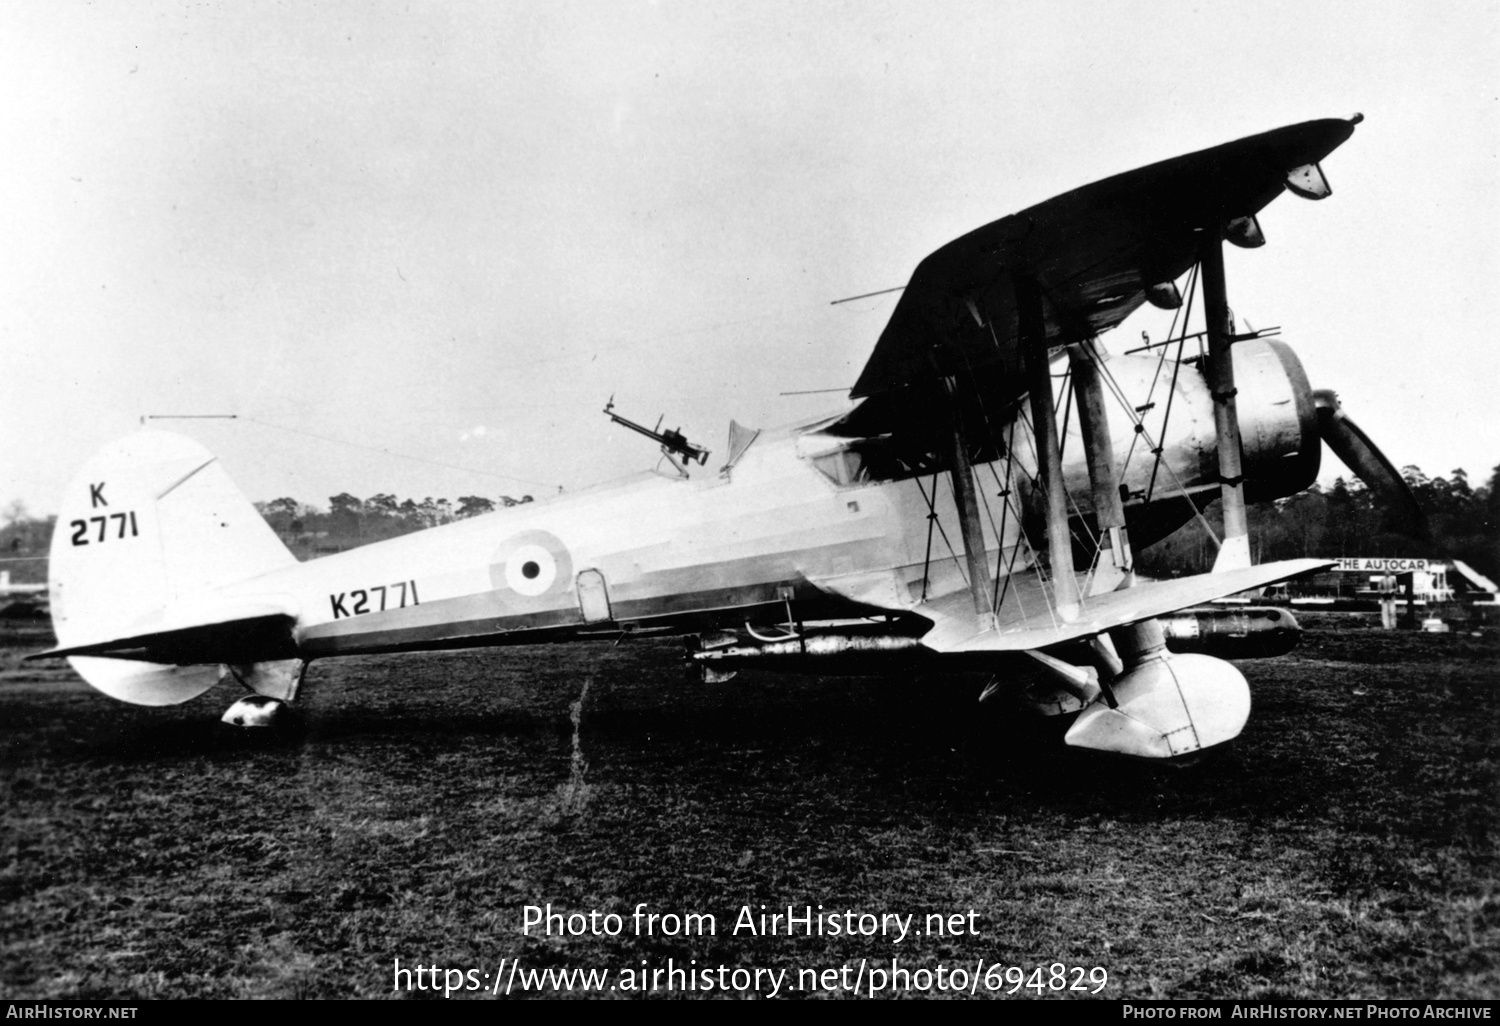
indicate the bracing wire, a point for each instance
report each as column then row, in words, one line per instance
column 932, row 509
column 1140, row 429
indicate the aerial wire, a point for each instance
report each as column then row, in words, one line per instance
column 402, row 455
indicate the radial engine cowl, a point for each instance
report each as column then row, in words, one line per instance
column 1279, row 434
column 1280, row 442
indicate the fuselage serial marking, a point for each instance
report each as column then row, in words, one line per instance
column 363, row 600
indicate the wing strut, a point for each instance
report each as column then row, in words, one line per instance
column 1033, row 333
column 1098, row 450
column 1235, row 551
column 1136, row 642
column 969, row 524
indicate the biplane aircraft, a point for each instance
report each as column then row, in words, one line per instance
column 977, row 509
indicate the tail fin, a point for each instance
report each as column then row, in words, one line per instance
column 147, row 526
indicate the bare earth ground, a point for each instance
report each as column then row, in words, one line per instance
column 1344, row 846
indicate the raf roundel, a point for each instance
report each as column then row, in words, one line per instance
column 533, row 563
column 530, row 570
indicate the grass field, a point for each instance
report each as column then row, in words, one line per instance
column 1344, row 846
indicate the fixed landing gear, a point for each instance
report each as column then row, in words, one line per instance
column 275, row 685
column 1169, row 706
column 258, row 711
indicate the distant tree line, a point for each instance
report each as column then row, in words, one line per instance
column 1348, row 519
column 350, row 520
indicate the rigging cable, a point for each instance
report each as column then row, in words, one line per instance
column 1186, row 311
column 1140, row 428
column 931, row 506
column 1166, row 416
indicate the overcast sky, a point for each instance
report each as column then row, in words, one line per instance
column 416, row 247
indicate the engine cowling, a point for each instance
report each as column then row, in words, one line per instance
column 1281, row 448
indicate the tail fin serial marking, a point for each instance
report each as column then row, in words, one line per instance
column 149, row 526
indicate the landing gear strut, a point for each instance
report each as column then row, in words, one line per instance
column 275, row 685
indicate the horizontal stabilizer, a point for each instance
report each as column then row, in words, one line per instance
column 247, row 640
column 956, row 629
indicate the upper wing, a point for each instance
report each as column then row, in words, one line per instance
column 1092, row 253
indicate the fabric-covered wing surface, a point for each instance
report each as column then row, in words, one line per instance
column 1091, row 253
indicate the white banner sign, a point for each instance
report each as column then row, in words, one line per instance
column 1388, row 565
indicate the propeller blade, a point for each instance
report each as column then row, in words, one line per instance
column 1350, row 444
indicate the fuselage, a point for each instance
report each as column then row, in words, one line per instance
column 805, row 524
column 650, row 552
